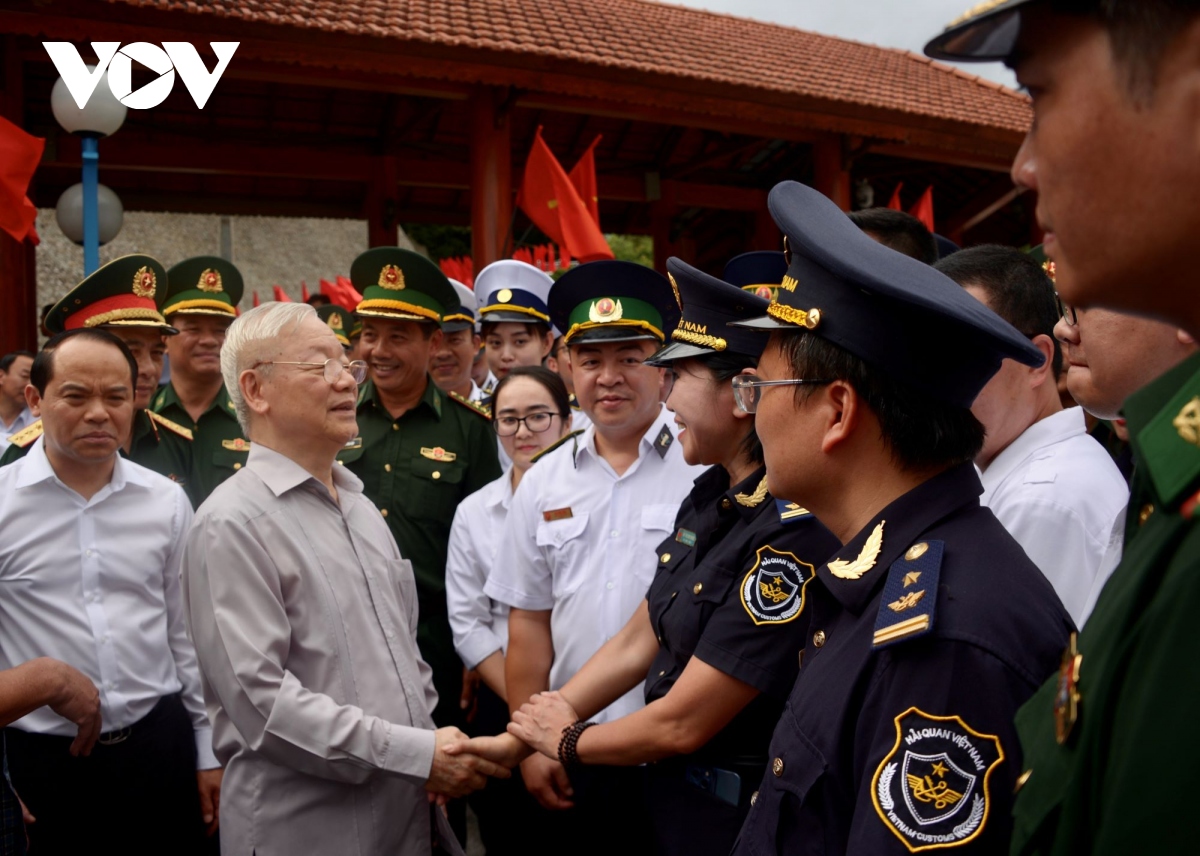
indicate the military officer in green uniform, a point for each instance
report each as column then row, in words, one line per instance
column 338, row 320
column 420, row 451
column 201, row 298
column 1108, row 749
column 124, row 297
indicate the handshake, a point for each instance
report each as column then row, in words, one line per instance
column 462, row 765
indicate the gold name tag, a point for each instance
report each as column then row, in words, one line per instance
column 556, row 514
column 238, row 445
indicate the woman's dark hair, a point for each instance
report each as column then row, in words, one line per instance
column 550, row 380
column 921, row 431
column 42, row 371
column 533, row 328
column 724, row 367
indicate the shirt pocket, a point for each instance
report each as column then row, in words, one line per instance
column 435, row 489
column 564, row 540
column 659, row 517
column 229, row 461
column 787, row 816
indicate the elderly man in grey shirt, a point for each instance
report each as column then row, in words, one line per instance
column 304, row 617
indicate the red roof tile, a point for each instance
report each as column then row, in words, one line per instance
column 661, row 39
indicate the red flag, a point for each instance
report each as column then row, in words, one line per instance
column 255, row 294
column 894, row 204
column 281, row 295
column 303, row 291
column 923, row 210
column 564, row 258
column 352, row 295
column 551, row 201
column 583, row 176
column 20, row 154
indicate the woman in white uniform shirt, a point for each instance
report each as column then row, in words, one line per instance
column 531, row 412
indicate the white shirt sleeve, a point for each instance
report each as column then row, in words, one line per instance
column 471, row 618
column 522, row 576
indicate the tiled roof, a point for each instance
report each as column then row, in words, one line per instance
column 660, row 39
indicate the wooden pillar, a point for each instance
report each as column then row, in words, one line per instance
column 18, row 260
column 662, row 210
column 491, row 174
column 830, row 175
column 382, row 203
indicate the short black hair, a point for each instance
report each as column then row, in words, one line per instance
column 1140, row 32
column 8, row 359
column 921, row 431
column 902, row 232
column 319, row 299
column 42, row 371
column 725, row 365
column 1018, row 289
column 533, row 328
column 550, row 380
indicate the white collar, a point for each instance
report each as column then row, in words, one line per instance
column 1046, row 432
column 36, row 468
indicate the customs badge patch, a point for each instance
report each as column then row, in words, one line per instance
column 932, row 788
column 773, row 591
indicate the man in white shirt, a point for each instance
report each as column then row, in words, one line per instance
column 584, row 523
column 90, row 546
column 14, row 412
column 1055, row 489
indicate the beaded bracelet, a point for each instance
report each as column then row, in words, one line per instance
column 567, row 755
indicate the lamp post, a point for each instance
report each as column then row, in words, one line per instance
column 100, row 117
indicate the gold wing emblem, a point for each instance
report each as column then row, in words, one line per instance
column 752, row 500
column 926, row 791
column 907, row 602
column 844, row 570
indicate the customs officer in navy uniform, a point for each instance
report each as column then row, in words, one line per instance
column 930, row 626
column 717, row 634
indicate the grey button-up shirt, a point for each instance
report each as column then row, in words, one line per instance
column 304, row 617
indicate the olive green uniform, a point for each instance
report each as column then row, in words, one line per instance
column 219, row 448
column 158, row 445
column 416, row 469
column 1119, row 782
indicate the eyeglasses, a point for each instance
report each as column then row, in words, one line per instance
column 332, row 368
column 747, row 391
column 1068, row 313
column 506, row 426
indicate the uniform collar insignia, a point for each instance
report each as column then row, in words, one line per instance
column 853, row 570
column 755, row 499
column 663, row 441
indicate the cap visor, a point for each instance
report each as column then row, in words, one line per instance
column 499, row 316
column 393, row 316
column 989, row 39
column 612, row 334
column 676, row 351
column 455, row 326
column 764, row 322
column 230, row 314
column 165, row 329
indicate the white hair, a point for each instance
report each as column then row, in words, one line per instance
column 248, row 339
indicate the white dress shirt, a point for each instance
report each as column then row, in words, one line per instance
column 479, row 624
column 580, row 541
column 476, row 393
column 1057, row 491
column 95, row 583
column 24, row 419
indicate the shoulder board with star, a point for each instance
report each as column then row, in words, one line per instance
column 485, row 412
column 173, row 427
column 26, row 436
column 789, row 511
column 909, row 595
column 562, row 441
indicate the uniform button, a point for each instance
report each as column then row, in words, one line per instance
column 801, row 658
column 819, row 638
column 237, row 466
column 387, row 468
column 1145, row 513
column 697, row 588
column 753, row 798
column 663, row 672
column 436, row 474
column 674, row 593
column 87, row 552
column 609, row 586
column 664, row 558
column 395, row 427
column 777, row 766
column 726, row 504
column 1021, row 780
column 383, row 511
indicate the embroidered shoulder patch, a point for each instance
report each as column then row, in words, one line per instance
column 485, row 412
column 789, row 511
column 910, row 594
column 25, row 437
column 931, row 790
column 773, row 591
column 174, row 427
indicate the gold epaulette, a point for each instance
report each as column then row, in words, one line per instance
column 174, row 427
column 559, row 442
column 485, row 412
column 26, row 436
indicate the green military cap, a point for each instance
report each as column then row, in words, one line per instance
column 203, row 285
column 402, row 285
column 337, row 319
column 126, row 292
column 355, row 326
column 613, row 301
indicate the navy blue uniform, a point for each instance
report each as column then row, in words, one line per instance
column 926, row 633
column 730, row 590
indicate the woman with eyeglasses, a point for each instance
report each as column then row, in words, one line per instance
column 715, row 641
column 531, row 412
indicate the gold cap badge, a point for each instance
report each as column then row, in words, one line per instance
column 605, row 309
column 145, row 283
column 391, row 277
column 210, row 281
column 335, row 322
column 503, row 295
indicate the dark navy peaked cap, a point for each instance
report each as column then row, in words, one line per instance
column 709, row 304
column 896, row 313
column 759, row 272
column 986, row 32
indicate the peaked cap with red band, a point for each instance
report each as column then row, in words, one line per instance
column 126, row 292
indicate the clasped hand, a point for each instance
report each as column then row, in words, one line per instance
column 540, row 722
column 458, row 768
